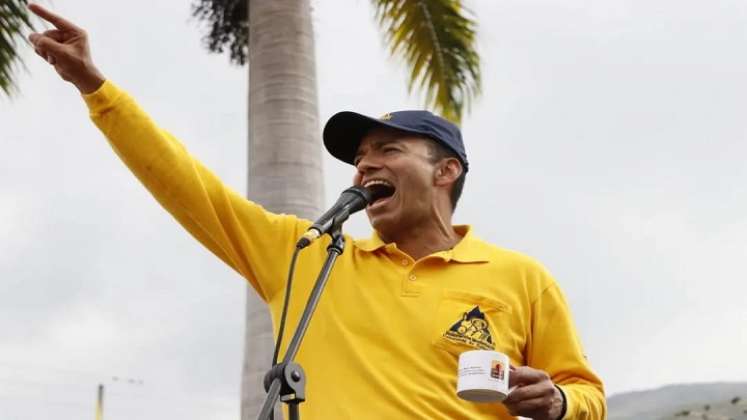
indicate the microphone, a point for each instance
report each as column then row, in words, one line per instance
column 352, row 200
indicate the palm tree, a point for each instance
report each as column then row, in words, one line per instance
column 13, row 18
column 436, row 39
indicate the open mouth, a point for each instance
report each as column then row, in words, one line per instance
column 381, row 191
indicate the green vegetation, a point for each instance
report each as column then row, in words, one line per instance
column 435, row 38
column 13, row 19
column 714, row 401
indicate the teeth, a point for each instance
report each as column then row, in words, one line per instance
column 377, row 182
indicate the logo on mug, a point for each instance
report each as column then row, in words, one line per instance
column 497, row 370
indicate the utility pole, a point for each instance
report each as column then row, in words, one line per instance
column 100, row 395
column 100, row 403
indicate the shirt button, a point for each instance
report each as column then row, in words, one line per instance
column 405, row 262
column 413, row 277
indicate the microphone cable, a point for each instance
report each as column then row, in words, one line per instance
column 286, row 300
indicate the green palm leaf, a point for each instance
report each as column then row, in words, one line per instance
column 436, row 38
column 13, row 18
column 228, row 26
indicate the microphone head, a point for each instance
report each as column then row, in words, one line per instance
column 358, row 198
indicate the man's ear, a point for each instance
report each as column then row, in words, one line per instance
column 447, row 172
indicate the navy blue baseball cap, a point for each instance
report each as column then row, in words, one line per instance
column 345, row 130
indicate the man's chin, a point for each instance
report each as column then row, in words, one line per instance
column 385, row 225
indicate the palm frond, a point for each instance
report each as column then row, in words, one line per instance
column 228, row 23
column 436, row 38
column 13, row 18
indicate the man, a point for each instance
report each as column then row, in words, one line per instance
column 402, row 305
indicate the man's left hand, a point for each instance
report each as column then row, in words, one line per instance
column 535, row 396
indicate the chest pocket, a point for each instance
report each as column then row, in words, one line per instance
column 468, row 321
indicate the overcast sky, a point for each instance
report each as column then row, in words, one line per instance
column 609, row 143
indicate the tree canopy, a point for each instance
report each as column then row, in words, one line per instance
column 436, row 39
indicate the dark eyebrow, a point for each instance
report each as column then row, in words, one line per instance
column 377, row 144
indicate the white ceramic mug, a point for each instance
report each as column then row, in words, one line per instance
column 483, row 376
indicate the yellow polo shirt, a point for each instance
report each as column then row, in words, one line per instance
column 385, row 338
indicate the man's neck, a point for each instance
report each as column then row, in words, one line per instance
column 420, row 240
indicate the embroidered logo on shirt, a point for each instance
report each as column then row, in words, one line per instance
column 472, row 330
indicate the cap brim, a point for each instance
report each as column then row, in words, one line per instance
column 344, row 131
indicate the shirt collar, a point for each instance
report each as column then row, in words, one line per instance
column 468, row 250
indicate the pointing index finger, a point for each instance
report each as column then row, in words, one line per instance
column 58, row 21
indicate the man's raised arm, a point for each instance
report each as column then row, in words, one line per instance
column 256, row 243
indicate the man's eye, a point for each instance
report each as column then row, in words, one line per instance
column 390, row 149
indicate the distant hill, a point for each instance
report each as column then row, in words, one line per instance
column 708, row 401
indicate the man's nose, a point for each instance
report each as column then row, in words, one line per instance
column 366, row 164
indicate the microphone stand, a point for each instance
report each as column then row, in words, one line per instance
column 286, row 380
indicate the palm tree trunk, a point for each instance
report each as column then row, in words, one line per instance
column 285, row 165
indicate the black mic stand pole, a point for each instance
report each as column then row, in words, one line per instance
column 287, row 380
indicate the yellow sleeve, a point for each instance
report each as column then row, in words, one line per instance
column 555, row 347
column 256, row 243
